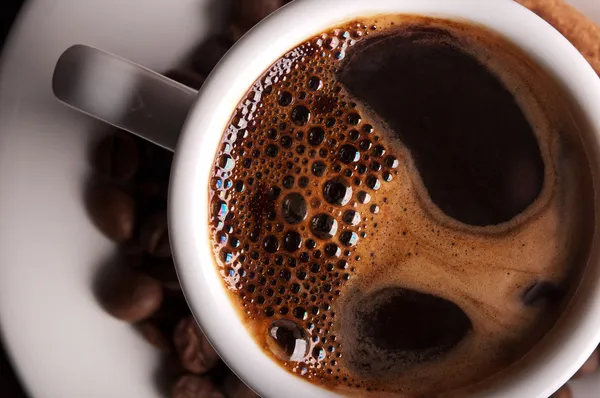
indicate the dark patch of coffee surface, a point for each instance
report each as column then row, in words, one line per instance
column 467, row 134
column 401, row 320
column 397, row 327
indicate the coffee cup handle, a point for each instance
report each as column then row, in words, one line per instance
column 122, row 94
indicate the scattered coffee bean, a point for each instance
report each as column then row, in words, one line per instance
column 186, row 77
column 116, row 157
column 209, row 54
column 113, row 212
column 250, row 12
column 195, row 352
column 154, row 236
column 132, row 296
column 153, row 335
column 590, row 366
column 190, row 386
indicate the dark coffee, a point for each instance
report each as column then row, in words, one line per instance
column 402, row 205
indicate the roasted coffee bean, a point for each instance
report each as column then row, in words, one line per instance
column 186, row 77
column 235, row 388
column 249, row 12
column 117, row 158
column 590, row 366
column 154, row 236
column 131, row 296
column 153, row 335
column 190, row 386
column 113, row 212
column 564, row 392
column 208, row 54
column 195, row 352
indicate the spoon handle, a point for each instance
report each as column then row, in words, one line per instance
column 123, row 94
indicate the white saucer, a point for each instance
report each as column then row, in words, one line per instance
column 62, row 344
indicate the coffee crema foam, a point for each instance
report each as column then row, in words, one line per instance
column 334, row 237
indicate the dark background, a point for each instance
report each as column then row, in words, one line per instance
column 9, row 386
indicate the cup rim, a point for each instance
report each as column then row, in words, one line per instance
column 578, row 331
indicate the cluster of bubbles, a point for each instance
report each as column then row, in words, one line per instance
column 294, row 190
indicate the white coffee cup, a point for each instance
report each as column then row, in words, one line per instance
column 544, row 369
